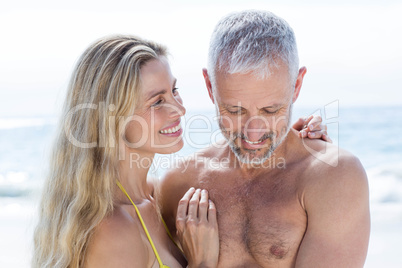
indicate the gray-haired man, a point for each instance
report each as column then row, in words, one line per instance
column 279, row 205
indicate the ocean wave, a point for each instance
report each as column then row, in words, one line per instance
column 386, row 183
column 15, row 184
column 11, row 123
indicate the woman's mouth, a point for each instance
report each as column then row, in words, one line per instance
column 171, row 130
column 174, row 130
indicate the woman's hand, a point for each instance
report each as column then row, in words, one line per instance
column 197, row 229
column 312, row 128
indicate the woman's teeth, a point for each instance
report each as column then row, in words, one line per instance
column 171, row 130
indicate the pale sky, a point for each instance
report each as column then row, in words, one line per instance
column 352, row 49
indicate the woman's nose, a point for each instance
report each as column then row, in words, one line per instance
column 177, row 109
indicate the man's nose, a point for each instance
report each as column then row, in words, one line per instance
column 255, row 127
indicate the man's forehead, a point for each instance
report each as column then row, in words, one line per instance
column 237, row 81
column 251, row 91
column 248, row 105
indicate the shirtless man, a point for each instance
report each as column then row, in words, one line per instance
column 278, row 204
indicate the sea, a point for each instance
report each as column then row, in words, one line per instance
column 373, row 134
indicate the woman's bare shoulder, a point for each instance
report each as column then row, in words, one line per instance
column 117, row 242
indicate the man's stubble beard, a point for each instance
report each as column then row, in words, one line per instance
column 249, row 158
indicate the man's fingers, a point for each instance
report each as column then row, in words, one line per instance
column 203, row 208
column 193, row 207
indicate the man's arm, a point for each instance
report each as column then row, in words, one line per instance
column 337, row 206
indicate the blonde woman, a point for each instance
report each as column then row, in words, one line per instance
column 97, row 208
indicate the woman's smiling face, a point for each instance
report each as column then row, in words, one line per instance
column 155, row 126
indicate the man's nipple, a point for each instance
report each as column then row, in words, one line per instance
column 277, row 251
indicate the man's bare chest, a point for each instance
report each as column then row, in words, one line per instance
column 260, row 221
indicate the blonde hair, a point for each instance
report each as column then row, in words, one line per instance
column 78, row 192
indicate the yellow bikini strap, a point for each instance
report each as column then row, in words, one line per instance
column 170, row 235
column 143, row 225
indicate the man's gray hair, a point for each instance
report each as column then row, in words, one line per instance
column 252, row 41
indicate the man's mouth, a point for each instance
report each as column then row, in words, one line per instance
column 253, row 145
column 253, row 142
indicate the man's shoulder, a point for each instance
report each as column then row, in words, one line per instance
column 323, row 164
column 320, row 156
column 179, row 178
column 332, row 160
column 188, row 170
column 183, row 168
column 333, row 169
column 176, row 181
column 348, row 168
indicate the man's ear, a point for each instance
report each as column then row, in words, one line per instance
column 208, row 84
column 299, row 83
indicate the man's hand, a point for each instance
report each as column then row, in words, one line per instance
column 312, row 127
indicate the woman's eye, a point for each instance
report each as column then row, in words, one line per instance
column 175, row 90
column 156, row 103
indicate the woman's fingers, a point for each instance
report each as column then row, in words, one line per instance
column 198, row 232
column 313, row 128
column 203, row 207
column 212, row 213
column 183, row 208
column 298, row 125
column 321, row 134
column 302, row 123
column 193, row 207
column 315, row 134
column 325, row 137
column 315, row 123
